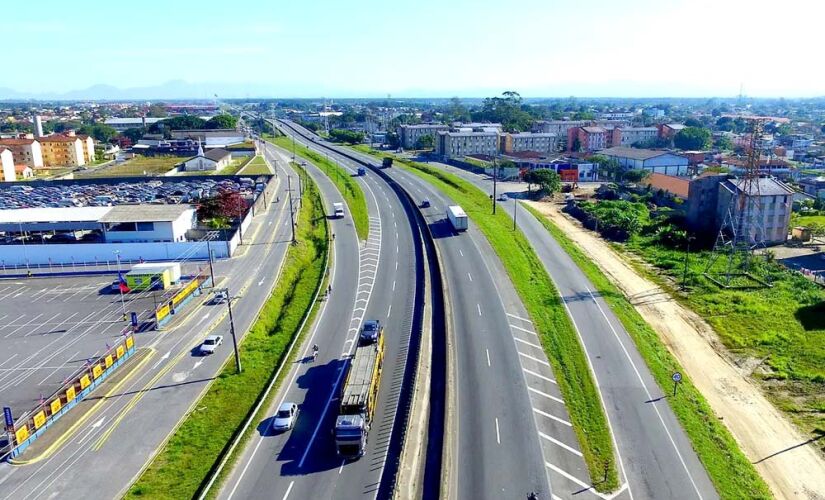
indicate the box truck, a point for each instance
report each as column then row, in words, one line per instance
column 457, row 217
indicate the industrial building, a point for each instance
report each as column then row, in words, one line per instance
column 662, row 162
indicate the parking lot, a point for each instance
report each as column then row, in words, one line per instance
column 97, row 194
column 50, row 327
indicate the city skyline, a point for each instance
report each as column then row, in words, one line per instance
column 325, row 49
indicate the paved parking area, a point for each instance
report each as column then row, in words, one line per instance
column 50, row 327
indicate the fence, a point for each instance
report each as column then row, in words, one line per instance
column 170, row 303
column 34, row 422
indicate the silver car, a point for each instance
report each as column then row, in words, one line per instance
column 210, row 344
column 285, row 418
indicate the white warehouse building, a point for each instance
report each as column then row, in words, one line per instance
column 660, row 162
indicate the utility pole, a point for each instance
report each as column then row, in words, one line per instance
column 494, row 185
column 291, row 216
column 229, row 300
column 293, row 147
column 515, row 212
column 209, row 251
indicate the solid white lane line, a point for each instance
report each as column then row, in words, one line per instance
column 73, row 356
column 523, row 329
column 519, row 317
column 498, row 435
column 488, row 356
column 559, row 443
column 9, row 359
column 553, row 417
column 479, row 309
column 548, row 396
column 537, row 360
column 527, row 343
column 289, row 488
column 539, row 375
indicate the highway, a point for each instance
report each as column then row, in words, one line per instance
column 104, row 456
column 377, row 279
column 508, row 406
column 655, row 454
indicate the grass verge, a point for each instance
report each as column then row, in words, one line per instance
column 187, row 459
column 347, row 186
column 731, row 472
column 256, row 167
column 542, row 300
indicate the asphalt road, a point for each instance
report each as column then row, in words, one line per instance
column 656, row 457
column 383, row 273
column 105, row 456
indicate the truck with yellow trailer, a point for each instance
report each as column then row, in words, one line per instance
column 359, row 396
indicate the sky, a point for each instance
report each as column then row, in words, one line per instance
column 420, row 48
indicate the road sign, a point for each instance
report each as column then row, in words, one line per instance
column 9, row 418
column 134, row 319
column 677, row 377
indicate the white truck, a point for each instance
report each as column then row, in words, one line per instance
column 457, row 217
column 338, row 210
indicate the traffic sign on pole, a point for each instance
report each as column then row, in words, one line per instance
column 9, row 418
column 677, row 377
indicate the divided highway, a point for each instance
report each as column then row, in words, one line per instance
column 382, row 279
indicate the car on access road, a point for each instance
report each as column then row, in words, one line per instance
column 285, row 418
column 220, row 297
column 210, row 344
column 502, row 197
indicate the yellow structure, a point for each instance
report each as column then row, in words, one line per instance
column 146, row 276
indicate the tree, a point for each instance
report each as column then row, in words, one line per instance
column 693, row 122
column 425, row 142
column 690, row 138
column 548, row 181
column 134, row 134
column 157, row 111
column 231, row 204
column 221, row 121
column 185, row 122
column 607, row 166
column 577, row 145
column 61, row 127
column 636, row 176
column 101, row 132
column 347, row 136
column 723, row 143
column 822, row 128
column 393, row 140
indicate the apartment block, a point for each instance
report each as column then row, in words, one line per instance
column 26, row 151
column 62, row 150
column 450, row 145
column 409, row 135
column 588, row 138
column 7, row 165
column 88, row 147
column 526, row 141
column 627, row 136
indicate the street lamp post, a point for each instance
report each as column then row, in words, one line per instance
column 515, row 212
column 210, row 235
column 291, row 215
column 494, row 185
column 120, row 285
column 229, row 300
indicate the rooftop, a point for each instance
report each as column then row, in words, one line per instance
column 634, row 153
column 67, row 214
column 143, row 213
column 217, row 154
column 676, row 185
column 16, row 142
column 594, row 130
column 765, row 186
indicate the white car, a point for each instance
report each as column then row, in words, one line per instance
column 210, row 344
column 220, row 297
column 285, row 418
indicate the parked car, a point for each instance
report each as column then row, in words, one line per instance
column 210, row 344
column 285, row 417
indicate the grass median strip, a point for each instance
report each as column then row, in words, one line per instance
column 731, row 472
column 542, row 300
column 342, row 178
column 187, row 459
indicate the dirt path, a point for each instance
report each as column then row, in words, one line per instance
column 764, row 435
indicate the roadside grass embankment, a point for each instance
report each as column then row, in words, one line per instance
column 730, row 470
column 342, row 179
column 187, row 459
column 256, row 167
column 543, row 302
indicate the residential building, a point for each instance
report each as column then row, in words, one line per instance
column 558, row 127
column 409, row 135
column 814, row 186
column 477, row 127
column 26, row 151
column 654, row 112
column 215, row 159
column 663, row 162
column 7, row 165
column 23, row 171
column 527, row 141
column 768, row 166
column 88, row 147
column 450, row 144
column 709, row 201
column 61, row 150
column 617, row 115
column 587, row 138
column 669, row 130
column 628, row 136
